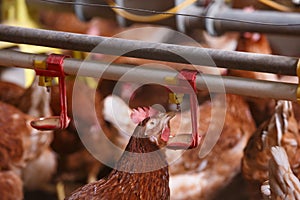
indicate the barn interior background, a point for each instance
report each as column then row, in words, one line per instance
column 73, row 71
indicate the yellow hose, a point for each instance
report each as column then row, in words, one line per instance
column 150, row 18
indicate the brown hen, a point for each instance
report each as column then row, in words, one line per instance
column 21, row 146
column 11, row 187
column 196, row 175
column 192, row 176
column 282, row 183
column 35, row 101
column 280, row 130
column 10, row 92
column 68, row 143
column 141, row 172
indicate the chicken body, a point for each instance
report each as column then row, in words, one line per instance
column 35, row 101
column 83, row 128
column 282, row 183
column 38, row 173
column 280, row 130
column 11, row 187
column 40, row 168
column 21, row 145
column 14, row 138
column 140, row 173
column 192, row 176
column 10, row 92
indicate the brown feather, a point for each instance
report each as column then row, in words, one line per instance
column 10, row 186
column 133, row 177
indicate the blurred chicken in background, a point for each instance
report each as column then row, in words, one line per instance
column 280, row 130
column 10, row 92
column 282, row 183
column 256, row 43
column 76, row 163
column 24, row 150
column 40, row 165
column 194, row 176
column 11, row 186
column 35, row 101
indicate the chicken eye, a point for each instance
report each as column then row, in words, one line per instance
column 152, row 123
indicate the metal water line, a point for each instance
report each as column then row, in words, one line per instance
column 213, row 83
column 217, row 18
column 282, row 65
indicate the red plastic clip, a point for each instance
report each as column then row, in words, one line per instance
column 187, row 85
column 54, row 68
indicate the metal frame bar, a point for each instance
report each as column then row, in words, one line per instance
column 213, row 83
column 155, row 51
column 260, row 21
column 223, row 19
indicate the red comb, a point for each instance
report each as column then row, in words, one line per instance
column 141, row 113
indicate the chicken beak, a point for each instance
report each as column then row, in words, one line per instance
column 170, row 115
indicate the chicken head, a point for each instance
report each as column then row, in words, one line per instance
column 157, row 124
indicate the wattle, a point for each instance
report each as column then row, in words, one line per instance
column 165, row 134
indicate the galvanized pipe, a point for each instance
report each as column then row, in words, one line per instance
column 213, row 83
column 224, row 19
column 155, row 51
column 262, row 21
column 270, row 22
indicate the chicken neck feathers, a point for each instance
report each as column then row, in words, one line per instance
column 140, row 173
